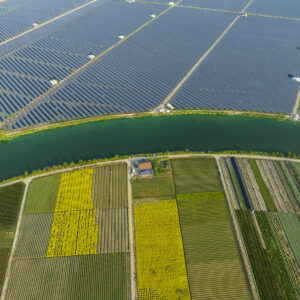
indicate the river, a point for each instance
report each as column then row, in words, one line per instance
column 146, row 135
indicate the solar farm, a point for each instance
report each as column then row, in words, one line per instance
column 198, row 228
column 72, row 60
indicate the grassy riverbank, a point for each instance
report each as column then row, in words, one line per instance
column 6, row 136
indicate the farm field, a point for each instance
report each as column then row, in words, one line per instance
column 10, row 202
column 73, row 243
column 195, row 175
column 157, row 187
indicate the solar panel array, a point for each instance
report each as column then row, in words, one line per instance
column 139, row 73
column 247, row 70
column 17, row 16
column 26, row 71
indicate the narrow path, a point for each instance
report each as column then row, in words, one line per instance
column 296, row 107
column 55, row 87
column 131, row 237
column 202, row 58
column 47, row 22
column 6, row 279
column 238, row 234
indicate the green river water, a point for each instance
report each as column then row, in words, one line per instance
column 146, row 135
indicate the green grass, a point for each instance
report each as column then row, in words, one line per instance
column 42, row 194
column 195, row 175
column 274, row 255
column 214, row 266
column 269, row 201
column 154, row 188
column 101, row 276
column 265, row 273
column 10, row 202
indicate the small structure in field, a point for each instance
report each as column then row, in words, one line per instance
column 296, row 117
column 35, row 24
column 121, row 36
column 91, row 56
column 169, row 105
column 54, row 81
column 153, row 16
column 171, row 3
column 145, row 167
column 245, row 15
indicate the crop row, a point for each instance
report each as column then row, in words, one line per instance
column 262, row 186
column 272, row 251
column 201, row 196
column 266, row 278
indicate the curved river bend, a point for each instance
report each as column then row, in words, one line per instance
column 146, row 135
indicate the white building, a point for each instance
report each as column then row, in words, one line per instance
column 121, row 36
column 169, row 105
column 54, row 82
column 35, row 24
column 153, row 16
column 296, row 79
column 171, row 3
column 296, row 117
column 91, row 56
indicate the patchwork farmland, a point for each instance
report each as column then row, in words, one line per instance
column 113, row 57
column 203, row 228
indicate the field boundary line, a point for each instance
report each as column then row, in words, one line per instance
column 243, row 251
column 272, row 16
column 133, row 282
column 262, row 241
column 296, row 106
column 201, row 59
column 47, row 22
column 59, row 84
column 16, row 235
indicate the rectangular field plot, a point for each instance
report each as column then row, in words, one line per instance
column 161, row 271
column 139, row 73
column 102, row 276
column 110, row 187
column 233, row 5
column 254, row 76
column 287, row 8
column 34, row 235
column 214, row 266
column 42, row 194
column 113, row 230
column 195, row 175
column 10, row 202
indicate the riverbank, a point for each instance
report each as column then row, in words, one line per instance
column 98, row 162
column 6, row 136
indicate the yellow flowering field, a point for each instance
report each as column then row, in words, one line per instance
column 161, row 271
column 74, row 229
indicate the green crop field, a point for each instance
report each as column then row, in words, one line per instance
column 34, row 235
column 291, row 226
column 153, row 188
column 267, row 281
column 42, row 194
column 214, row 265
column 195, row 175
column 10, row 202
column 273, row 253
column 262, row 186
column 98, row 276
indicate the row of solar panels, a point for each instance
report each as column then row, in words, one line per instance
column 19, row 16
